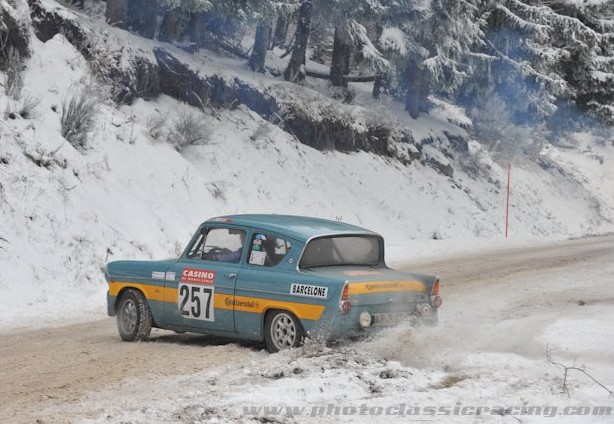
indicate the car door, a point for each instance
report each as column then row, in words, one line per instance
column 199, row 291
column 265, row 281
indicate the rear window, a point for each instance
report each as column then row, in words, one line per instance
column 342, row 250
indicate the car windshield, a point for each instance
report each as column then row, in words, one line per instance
column 342, row 250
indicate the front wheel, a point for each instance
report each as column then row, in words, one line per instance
column 282, row 331
column 133, row 316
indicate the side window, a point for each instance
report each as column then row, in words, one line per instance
column 196, row 250
column 267, row 250
column 219, row 244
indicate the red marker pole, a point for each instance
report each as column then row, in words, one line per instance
column 507, row 205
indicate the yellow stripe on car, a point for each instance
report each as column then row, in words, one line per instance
column 385, row 286
column 259, row 305
column 150, row 291
column 225, row 301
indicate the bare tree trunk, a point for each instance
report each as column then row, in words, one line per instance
column 417, row 89
column 342, row 48
column 116, row 13
column 281, row 32
column 142, row 16
column 295, row 71
column 171, row 22
column 261, row 44
column 196, row 28
column 377, row 86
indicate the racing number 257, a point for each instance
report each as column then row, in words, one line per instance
column 193, row 298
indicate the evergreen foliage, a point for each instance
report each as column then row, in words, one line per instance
column 543, row 59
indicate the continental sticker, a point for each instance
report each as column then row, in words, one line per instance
column 386, row 286
column 360, row 273
column 383, row 286
column 197, row 276
column 158, row 275
column 250, row 304
column 309, row 291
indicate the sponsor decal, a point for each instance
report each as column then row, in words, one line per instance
column 379, row 286
column 242, row 303
column 257, row 258
column 309, row 291
column 170, row 276
column 386, row 286
column 197, row 276
column 158, row 275
column 360, row 273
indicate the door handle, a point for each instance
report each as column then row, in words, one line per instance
column 232, row 275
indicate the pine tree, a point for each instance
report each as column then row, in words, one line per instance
column 431, row 43
column 589, row 68
column 524, row 41
column 348, row 18
column 546, row 57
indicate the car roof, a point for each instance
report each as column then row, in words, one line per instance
column 299, row 227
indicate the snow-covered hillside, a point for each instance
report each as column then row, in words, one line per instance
column 65, row 212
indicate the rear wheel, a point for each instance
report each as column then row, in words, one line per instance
column 282, row 331
column 133, row 316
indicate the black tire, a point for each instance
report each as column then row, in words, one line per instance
column 133, row 316
column 282, row 331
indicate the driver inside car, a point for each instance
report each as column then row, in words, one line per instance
column 234, row 256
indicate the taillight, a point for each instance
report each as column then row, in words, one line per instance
column 344, row 293
column 436, row 300
column 435, row 290
column 344, row 303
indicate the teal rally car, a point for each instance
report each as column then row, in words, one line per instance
column 270, row 278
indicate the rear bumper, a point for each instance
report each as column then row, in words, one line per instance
column 348, row 325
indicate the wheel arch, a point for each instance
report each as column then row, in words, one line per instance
column 273, row 309
column 123, row 290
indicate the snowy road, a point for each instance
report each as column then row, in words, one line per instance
column 501, row 310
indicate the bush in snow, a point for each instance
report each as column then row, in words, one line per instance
column 28, row 104
column 262, row 131
column 156, row 124
column 25, row 109
column 283, row 115
column 78, row 113
column 188, row 129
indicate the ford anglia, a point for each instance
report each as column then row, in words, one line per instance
column 270, row 278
